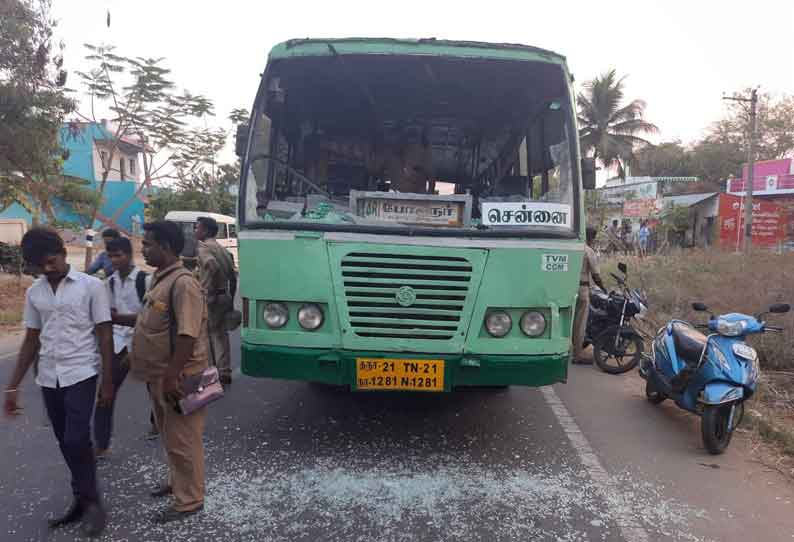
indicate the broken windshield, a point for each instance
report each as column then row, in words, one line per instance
column 412, row 142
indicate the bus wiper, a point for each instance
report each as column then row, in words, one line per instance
column 294, row 171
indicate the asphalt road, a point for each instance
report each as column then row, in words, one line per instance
column 589, row 460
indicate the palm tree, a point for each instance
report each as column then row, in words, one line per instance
column 607, row 127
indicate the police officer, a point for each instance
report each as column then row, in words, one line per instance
column 589, row 271
column 170, row 341
column 219, row 282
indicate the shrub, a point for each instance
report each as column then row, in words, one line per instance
column 726, row 282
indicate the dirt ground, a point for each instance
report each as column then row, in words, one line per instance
column 12, row 301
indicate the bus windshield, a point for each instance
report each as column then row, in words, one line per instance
column 400, row 143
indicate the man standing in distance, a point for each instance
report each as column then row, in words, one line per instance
column 589, row 270
column 219, row 282
column 169, row 342
column 102, row 261
column 127, row 286
column 68, row 324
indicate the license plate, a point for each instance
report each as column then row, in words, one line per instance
column 400, row 374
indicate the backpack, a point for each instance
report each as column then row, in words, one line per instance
column 140, row 284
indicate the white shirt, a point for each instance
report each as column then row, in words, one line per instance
column 124, row 298
column 69, row 350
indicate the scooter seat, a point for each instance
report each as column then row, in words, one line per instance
column 689, row 342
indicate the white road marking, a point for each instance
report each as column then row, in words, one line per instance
column 606, row 485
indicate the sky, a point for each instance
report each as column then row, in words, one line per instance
column 678, row 56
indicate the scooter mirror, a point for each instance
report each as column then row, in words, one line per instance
column 780, row 308
column 622, row 267
column 700, row 307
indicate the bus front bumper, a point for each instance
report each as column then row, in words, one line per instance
column 339, row 366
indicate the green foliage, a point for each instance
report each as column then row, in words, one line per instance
column 147, row 108
column 724, row 149
column 33, row 106
column 204, row 192
column 609, row 129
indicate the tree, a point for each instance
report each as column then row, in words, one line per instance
column 147, row 109
column 608, row 128
column 775, row 126
column 33, row 106
column 201, row 193
column 668, row 159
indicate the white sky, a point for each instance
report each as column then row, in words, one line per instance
column 680, row 56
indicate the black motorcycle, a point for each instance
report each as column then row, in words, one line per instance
column 617, row 344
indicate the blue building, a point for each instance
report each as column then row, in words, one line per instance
column 89, row 146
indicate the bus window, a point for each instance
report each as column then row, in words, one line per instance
column 233, row 231
column 222, row 231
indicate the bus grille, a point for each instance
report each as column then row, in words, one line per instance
column 432, row 291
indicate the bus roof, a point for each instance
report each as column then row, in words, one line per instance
column 420, row 47
column 191, row 216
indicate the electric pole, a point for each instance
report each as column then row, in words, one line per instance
column 748, row 184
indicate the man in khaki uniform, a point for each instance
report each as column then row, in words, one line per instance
column 589, row 269
column 219, row 282
column 170, row 341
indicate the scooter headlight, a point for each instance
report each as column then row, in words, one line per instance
column 731, row 329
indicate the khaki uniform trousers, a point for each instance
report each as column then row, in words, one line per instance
column 182, row 439
column 220, row 354
column 580, row 320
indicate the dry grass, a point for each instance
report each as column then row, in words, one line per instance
column 12, row 300
column 728, row 282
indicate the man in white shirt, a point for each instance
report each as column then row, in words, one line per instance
column 67, row 320
column 127, row 286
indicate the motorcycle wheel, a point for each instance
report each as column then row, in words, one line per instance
column 714, row 428
column 653, row 395
column 618, row 360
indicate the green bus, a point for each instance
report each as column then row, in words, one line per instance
column 410, row 215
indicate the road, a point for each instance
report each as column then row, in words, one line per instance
column 585, row 461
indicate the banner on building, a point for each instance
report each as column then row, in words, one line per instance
column 641, row 208
column 768, row 227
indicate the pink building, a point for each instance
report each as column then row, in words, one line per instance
column 770, row 178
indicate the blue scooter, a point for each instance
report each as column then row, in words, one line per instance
column 710, row 375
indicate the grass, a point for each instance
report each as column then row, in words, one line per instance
column 12, row 300
column 726, row 282
column 729, row 282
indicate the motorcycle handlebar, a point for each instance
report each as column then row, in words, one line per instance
column 773, row 328
column 617, row 278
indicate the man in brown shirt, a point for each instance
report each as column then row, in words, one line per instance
column 170, row 341
column 589, row 269
column 219, row 282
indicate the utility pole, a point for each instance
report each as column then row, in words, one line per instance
column 748, row 185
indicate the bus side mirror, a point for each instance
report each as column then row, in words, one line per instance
column 241, row 140
column 588, row 173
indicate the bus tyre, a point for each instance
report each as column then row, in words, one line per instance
column 653, row 395
column 617, row 359
column 714, row 428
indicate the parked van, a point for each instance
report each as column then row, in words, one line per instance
column 12, row 230
column 227, row 233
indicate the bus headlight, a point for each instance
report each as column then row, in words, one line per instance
column 276, row 315
column 498, row 323
column 533, row 324
column 310, row 316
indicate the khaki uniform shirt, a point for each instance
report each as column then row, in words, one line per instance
column 153, row 339
column 215, row 266
column 589, row 266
